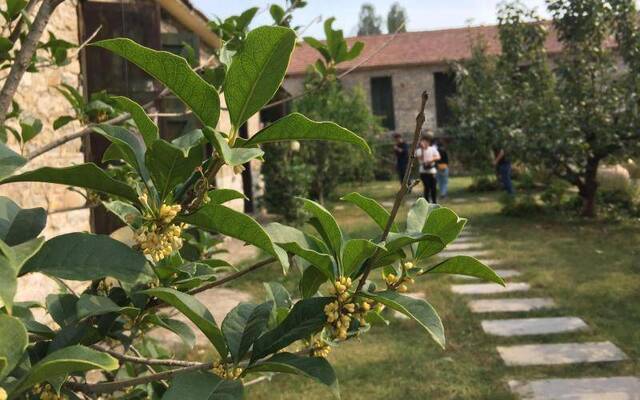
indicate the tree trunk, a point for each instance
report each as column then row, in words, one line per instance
column 589, row 188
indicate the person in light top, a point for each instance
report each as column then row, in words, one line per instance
column 426, row 155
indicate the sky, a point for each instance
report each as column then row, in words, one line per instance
column 423, row 14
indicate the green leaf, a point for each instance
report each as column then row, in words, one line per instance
column 316, row 368
column 176, row 326
column 130, row 146
column 125, row 211
column 378, row 213
column 90, row 305
column 221, row 196
column 63, row 362
column 18, row 225
column 30, row 128
column 354, row 253
column 88, row 176
column 189, row 140
column 169, row 165
column 444, row 223
column 243, row 325
column 231, row 156
column 329, row 229
column 146, row 126
column 296, row 126
column 62, row 121
column 416, row 309
column 175, row 73
column 278, row 294
column 418, row 214
column 13, row 344
column 238, row 225
column 14, row 7
column 9, row 161
column 319, row 46
column 197, row 313
column 11, row 262
column 465, row 265
column 305, row 318
column 312, row 279
column 84, row 256
column 62, row 308
column 396, row 241
column 203, row 386
column 257, row 71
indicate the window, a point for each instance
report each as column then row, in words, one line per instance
column 382, row 101
column 445, row 87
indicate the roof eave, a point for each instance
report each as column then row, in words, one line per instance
column 192, row 19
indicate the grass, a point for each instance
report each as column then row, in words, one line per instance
column 590, row 268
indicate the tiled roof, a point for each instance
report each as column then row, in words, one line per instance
column 414, row 48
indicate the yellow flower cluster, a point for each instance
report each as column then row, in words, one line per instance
column 44, row 392
column 343, row 310
column 3, row 394
column 398, row 282
column 226, row 373
column 320, row 348
column 160, row 238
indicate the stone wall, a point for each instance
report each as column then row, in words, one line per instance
column 38, row 97
column 408, row 84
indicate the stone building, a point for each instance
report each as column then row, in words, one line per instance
column 160, row 24
column 394, row 70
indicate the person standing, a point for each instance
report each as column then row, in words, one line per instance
column 427, row 155
column 401, row 148
column 503, row 169
column 442, row 165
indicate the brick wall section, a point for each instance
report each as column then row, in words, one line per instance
column 408, row 84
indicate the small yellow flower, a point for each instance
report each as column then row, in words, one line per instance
column 402, row 288
column 409, row 265
column 3, row 394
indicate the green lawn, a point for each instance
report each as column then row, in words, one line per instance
column 590, row 268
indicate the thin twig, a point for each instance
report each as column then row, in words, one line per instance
column 16, row 31
column 404, row 188
column 147, row 361
column 25, row 56
column 149, row 367
column 233, row 276
column 110, row 387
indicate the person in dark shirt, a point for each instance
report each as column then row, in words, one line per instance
column 442, row 165
column 503, row 168
column 401, row 148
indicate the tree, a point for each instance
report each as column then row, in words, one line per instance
column 396, row 19
column 369, row 23
column 570, row 121
column 169, row 194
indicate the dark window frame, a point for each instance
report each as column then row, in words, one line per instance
column 382, row 104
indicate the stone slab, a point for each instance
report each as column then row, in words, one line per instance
column 503, row 273
column 614, row 388
column 465, row 239
column 468, row 245
column 532, row 326
column 469, row 253
column 510, row 305
column 490, row 288
column 560, row 353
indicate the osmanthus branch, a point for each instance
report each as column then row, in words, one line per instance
column 25, row 55
column 147, row 361
column 110, row 387
column 404, row 188
column 339, row 77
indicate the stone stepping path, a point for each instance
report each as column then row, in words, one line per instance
column 617, row 388
column 560, row 353
column 490, row 288
column 532, row 326
column 503, row 273
column 510, row 305
column 462, row 246
column 591, row 388
column 469, row 253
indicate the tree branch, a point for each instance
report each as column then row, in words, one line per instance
column 147, row 361
column 24, row 57
column 420, row 118
column 110, row 387
column 233, row 276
